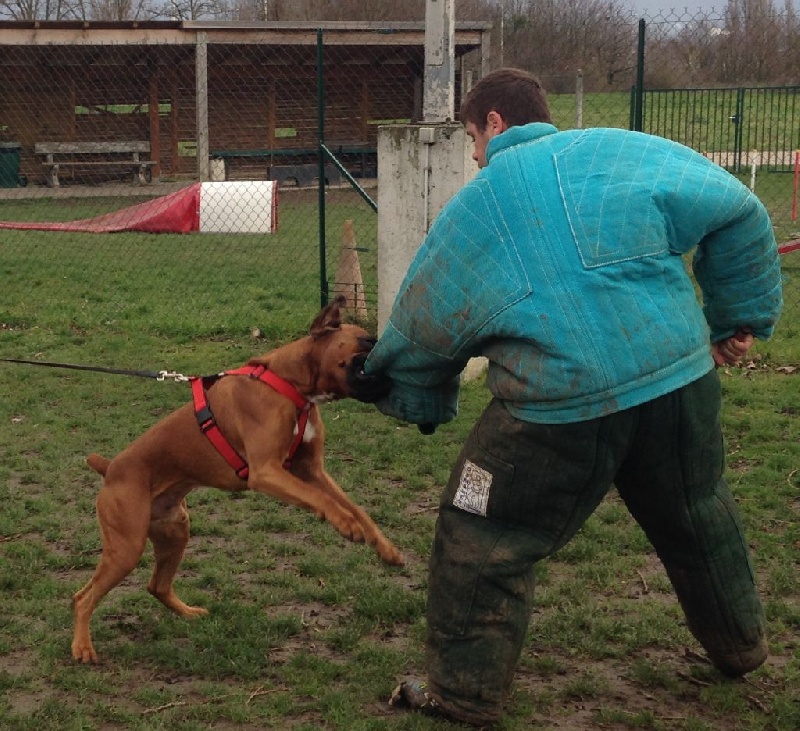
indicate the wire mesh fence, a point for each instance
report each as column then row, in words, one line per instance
column 113, row 137
column 721, row 81
column 724, row 83
column 175, row 169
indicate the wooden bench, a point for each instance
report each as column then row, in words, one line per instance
column 361, row 160
column 303, row 175
column 85, row 154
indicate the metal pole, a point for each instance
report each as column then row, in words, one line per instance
column 321, row 149
column 349, row 178
column 638, row 117
column 738, row 120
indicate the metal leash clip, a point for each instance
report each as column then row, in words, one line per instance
column 173, row 375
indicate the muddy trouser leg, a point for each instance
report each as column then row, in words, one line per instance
column 673, row 484
column 517, row 493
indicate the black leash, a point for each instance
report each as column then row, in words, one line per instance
column 158, row 375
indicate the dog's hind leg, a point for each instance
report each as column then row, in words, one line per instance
column 169, row 534
column 123, row 514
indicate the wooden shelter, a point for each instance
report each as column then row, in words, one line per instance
column 199, row 90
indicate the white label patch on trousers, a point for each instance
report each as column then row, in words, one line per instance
column 472, row 494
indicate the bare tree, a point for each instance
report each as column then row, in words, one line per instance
column 114, row 9
column 555, row 39
column 749, row 41
column 191, row 9
column 311, row 10
column 753, row 32
column 35, row 9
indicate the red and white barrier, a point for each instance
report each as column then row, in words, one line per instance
column 239, row 206
column 246, row 206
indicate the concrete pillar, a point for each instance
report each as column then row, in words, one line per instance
column 439, row 91
column 420, row 167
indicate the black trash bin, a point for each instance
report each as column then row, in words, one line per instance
column 9, row 164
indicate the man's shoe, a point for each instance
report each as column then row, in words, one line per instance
column 412, row 694
column 742, row 661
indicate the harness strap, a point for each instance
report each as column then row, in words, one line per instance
column 208, row 424
column 304, row 406
column 261, row 373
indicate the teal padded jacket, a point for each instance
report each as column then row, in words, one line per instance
column 561, row 262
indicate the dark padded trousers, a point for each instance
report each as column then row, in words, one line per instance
column 520, row 491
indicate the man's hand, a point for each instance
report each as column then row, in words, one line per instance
column 731, row 350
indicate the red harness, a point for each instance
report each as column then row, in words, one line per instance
column 208, row 424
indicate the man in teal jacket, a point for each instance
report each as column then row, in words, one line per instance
column 561, row 262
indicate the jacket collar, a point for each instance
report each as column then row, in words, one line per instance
column 517, row 136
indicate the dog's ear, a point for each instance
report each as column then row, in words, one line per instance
column 329, row 318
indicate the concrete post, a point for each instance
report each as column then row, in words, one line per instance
column 439, row 90
column 420, row 167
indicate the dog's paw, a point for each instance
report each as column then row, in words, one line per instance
column 345, row 523
column 84, row 653
column 171, row 600
column 390, row 555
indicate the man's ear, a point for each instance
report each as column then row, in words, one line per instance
column 495, row 123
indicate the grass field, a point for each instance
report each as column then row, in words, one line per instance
column 307, row 631
column 174, row 285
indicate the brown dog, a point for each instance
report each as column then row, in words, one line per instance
column 145, row 485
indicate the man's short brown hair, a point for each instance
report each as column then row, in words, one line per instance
column 516, row 95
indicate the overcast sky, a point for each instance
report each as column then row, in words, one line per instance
column 678, row 7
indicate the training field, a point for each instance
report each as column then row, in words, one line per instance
column 305, row 630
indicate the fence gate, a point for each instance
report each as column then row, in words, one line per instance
column 729, row 126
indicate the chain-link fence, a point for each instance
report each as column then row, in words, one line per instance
column 723, row 83
column 166, row 175
column 127, row 127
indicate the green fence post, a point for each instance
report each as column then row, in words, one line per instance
column 638, row 111
column 632, row 108
column 738, row 120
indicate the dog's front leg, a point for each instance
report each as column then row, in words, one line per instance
column 322, row 481
column 272, row 479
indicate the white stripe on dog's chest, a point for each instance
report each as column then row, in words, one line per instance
column 308, row 434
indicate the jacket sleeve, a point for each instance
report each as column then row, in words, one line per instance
column 459, row 280
column 736, row 262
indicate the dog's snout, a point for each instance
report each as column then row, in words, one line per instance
column 365, row 387
column 367, row 343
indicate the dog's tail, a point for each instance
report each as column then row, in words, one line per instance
column 98, row 463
